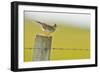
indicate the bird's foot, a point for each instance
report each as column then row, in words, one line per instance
column 46, row 34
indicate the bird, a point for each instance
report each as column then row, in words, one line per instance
column 47, row 28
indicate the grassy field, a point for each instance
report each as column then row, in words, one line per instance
column 64, row 37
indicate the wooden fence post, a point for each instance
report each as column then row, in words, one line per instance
column 42, row 48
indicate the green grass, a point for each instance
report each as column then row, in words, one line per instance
column 64, row 37
column 60, row 54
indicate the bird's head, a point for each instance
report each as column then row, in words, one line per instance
column 55, row 25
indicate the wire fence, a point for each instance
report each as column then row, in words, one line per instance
column 56, row 53
column 61, row 49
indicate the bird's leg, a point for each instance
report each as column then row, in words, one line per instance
column 46, row 33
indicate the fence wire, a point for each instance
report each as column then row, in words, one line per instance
column 60, row 48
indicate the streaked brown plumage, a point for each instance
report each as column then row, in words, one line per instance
column 47, row 28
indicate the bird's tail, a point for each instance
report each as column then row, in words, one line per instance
column 38, row 22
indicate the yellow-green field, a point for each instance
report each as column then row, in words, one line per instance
column 64, row 37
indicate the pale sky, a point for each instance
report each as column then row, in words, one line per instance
column 79, row 20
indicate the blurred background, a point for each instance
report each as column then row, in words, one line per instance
column 71, row 39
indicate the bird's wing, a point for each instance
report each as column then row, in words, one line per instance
column 46, row 26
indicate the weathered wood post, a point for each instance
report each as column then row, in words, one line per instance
column 42, row 48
